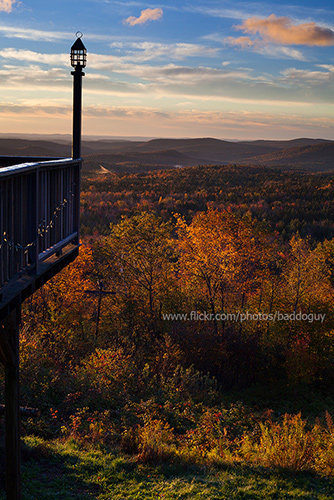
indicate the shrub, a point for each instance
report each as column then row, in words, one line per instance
column 188, row 383
column 91, row 427
column 155, row 441
column 287, row 444
column 106, row 377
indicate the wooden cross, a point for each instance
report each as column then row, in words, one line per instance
column 99, row 293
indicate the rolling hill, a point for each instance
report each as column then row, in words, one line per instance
column 119, row 155
column 317, row 157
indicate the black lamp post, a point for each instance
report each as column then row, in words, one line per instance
column 78, row 62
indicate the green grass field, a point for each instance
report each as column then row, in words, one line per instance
column 53, row 470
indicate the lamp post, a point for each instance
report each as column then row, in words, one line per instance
column 78, row 62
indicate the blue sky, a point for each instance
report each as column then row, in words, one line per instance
column 226, row 69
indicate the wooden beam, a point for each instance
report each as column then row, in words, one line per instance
column 12, row 409
column 7, row 356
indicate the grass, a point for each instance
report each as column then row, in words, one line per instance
column 54, row 469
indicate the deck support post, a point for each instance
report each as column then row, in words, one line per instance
column 12, row 407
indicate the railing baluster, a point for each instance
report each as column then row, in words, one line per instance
column 37, row 238
column 41, row 212
column 10, row 227
column 61, row 192
column 68, row 189
column 21, row 223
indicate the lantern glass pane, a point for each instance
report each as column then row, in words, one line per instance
column 78, row 58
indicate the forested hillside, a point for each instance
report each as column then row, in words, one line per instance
column 215, row 347
column 285, row 201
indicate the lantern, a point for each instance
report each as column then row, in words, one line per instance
column 78, row 53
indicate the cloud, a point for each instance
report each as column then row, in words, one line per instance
column 300, row 76
column 131, row 120
column 251, row 124
column 283, row 30
column 36, row 57
column 145, row 16
column 32, row 34
column 144, row 51
column 127, row 76
column 223, row 12
column 281, row 52
column 243, row 41
column 6, row 5
column 33, row 77
column 186, row 76
column 144, row 112
column 239, row 117
column 50, row 36
column 34, row 110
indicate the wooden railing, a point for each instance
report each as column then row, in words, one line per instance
column 39, row 213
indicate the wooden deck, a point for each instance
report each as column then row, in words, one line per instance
column 39, row 236
column 39, row 224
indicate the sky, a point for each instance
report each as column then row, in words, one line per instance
column 201, row 68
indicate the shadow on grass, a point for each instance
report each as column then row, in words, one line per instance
column 233, row 482
column 69, row 471
column 49, row 475
column 180, row 469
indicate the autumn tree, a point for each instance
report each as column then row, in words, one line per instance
column 207, row 255
column 136, row 260
column 306, row 274
column 225, row 255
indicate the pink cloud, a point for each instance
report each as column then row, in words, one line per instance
column 282, row 30
column 7, row 5
column 145, row 16
column 243, row 41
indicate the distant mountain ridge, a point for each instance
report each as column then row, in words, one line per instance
column 317, row 157
column 25, row 147
column 291, row 143
column 121, row 155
